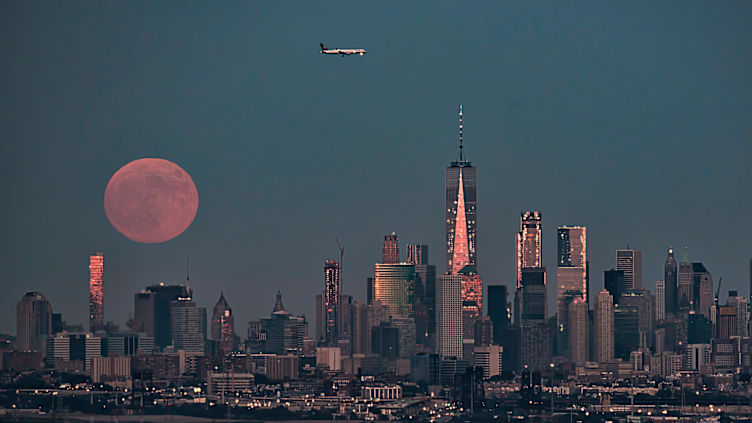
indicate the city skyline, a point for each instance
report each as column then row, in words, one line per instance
column 668, row 122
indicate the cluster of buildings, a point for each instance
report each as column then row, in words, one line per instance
column 418, row 323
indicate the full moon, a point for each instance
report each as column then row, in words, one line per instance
column 151, row 200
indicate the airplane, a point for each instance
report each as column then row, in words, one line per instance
column 342, row 51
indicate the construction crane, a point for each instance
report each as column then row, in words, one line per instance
column 717, row 292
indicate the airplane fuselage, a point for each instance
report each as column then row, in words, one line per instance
column 344, row 51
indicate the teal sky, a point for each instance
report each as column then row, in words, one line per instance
column 631, row 118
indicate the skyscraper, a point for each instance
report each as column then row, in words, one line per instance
column 331, row 301
column 529, row 243
column 660, row 300
column 223, row 325
column 143, row 313
column 671, row 296
column 571, row 274
column 162, row 296
column 702, row 286
column 460, row 212
column 33, row 322
column 284, row 332
column 96, row 292
column 390, row 251
column 604, row 327
column 742, row 306
column 185, row 325
column 630, row 261
column 449, row 316
column 472, row 299
column 394, row 286
column 686, row 297
column 417, row 254
column 530, row 299
column 498, row 310
column 579, row 347
column 613, row 281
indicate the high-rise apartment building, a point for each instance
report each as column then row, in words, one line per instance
column 331, row 298
column 96, row 292
column 604, row 327
column 571, row 275
column 449, row 316
column 579, row 336
column 186, row 325
column 686, row 297
column 390, row 251
column 529, row 243
column 671, row 288
column 660, row 300
column 33, row 322
column 417, row 254
column 460, row 212
column 394, row 287
column 630, row 261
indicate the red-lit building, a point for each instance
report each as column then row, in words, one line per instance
column 96, row 292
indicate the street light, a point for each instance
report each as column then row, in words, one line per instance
column 552, row 388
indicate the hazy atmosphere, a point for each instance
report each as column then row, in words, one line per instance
column 632, row 120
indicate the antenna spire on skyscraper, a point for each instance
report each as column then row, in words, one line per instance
column 461, row 155
column 187, row 273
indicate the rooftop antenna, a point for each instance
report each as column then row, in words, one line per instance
column 341, row 264
column 461, row 155
column 187, row 273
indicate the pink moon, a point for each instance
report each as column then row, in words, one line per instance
column 151, row 200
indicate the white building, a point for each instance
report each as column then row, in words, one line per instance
column 330, row 357
column 449, row 316
column 490, row 359
column 695, row 355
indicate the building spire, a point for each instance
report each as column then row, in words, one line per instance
column 187, row 273
column 461, row 155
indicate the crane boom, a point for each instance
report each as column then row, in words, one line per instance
column 718, row 291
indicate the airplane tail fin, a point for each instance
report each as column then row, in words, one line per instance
column 322, row 46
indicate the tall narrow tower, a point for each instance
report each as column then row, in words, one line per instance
column 460, row 211
column 529, row 243
column 96, row 292
column 332, row 297
column 670, row 283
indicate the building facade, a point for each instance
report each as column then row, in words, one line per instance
column 630, row 261
column 96, row 292
column 33, row 322
column 394, row 287
column 604, row 327
column 529, row 243
column 571, row 275
column 461, row 201
column 671, row 288
column 449, row 316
